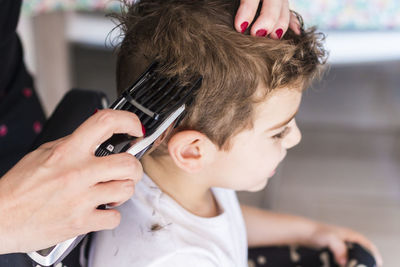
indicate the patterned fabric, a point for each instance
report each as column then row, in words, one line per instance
column 292, row 256
column 326, row 14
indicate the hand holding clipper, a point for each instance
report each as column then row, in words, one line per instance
column 158, row 102
column 52, row 193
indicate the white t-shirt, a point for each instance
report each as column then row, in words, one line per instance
column 183, row 239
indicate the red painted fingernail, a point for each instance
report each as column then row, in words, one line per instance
column 95, row 111
column 279, row 33
column 143, row 130
column 261, row 32
column 244, row 26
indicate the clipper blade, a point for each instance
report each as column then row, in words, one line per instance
column 158, row 101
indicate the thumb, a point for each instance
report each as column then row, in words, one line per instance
column 339, row 250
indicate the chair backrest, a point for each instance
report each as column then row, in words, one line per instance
column 75, row 107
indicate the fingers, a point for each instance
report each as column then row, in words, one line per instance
column 377, row 255
column 116, row 192
column 294, row 24
column 274, row 19
column 336, row 237
column 245, row 14
column 270, row 14
column 339, row 250
column 282, row 23
column 104, row 219
column 121, row 166
column 102, row 125
column 368, row 245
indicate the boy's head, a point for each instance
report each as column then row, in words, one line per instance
column 249, row 83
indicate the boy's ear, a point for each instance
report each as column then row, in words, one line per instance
column 191, row 150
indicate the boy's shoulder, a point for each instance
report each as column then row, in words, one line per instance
column 155, row 230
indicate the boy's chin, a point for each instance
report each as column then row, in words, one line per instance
column 259, row 186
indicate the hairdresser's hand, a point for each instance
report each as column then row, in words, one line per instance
column 51, row 195
column 274, row 20
column 334, row 238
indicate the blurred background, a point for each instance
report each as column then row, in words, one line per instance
column 345, row 171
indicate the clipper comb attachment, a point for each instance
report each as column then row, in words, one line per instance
column 158, row 101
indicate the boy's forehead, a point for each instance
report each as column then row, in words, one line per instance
column 278, row 108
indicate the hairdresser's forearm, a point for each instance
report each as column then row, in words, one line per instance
column 266, row 228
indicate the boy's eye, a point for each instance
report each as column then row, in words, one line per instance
column 282, row 134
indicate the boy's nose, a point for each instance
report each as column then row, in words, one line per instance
column 293, row 138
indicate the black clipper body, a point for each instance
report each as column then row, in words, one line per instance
column 158, row 102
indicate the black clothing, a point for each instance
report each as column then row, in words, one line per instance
column 21, row 115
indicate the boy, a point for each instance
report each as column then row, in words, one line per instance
column 234, row 135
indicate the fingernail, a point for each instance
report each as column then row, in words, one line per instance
column 279, row 33
column 244, row 26
column 95, row 111
column 261, row 32
column 143, row 130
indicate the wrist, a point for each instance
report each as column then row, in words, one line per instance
column 5, row 246
column 308, row 231
column 8, row 240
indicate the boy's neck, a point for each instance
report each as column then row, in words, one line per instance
column 189, row 191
